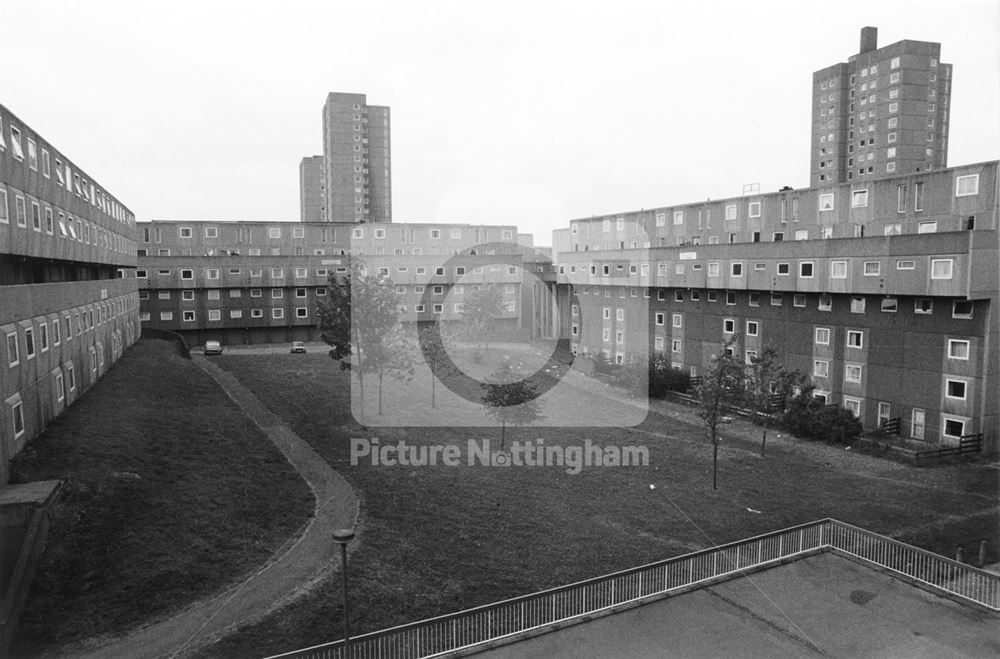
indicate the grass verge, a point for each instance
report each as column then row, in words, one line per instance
column 441, row 539
column 170, row 495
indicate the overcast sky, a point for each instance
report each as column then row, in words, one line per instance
column 530, row 113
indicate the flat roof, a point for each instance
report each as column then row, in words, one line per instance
column 820, row 605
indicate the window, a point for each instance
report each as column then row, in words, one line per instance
column 853, row 405
column 966, row 185
column 953, row 428
column 857, row 304
column 43, row 337
column 859, row 198
column 821, row 368
column 890, row 305
column 955, row 389
column 728, row 326
column 15, row 143
column 906, row 265
column 678, row 320
column 29, row 343
column 731, row 212
column 13, row 356
column 713, row 269
column 825, row 303
column 678, row 218
column 838, row 270
column 798, row 300
column 166, row 315
column 17, row 415
column 941, row 268
column 753, row 209
column 806, row 269
column 826, row 202
column 730, row 297
column 736, row 269
column 619, row 315
column 713, row 296
column 256, row 313
column 822, row 336
column 927, row 227
column 918, row 196
column 274, row 232
column 675, row 345
column 301, row 312
column 958, row 349
column 754, row 299
column 962, row 309
column 923, row 305
column 211, row 232
column 752, row 328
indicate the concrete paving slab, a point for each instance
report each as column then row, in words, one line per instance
column 824, row 605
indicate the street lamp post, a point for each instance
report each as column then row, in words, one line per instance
column 342, row 537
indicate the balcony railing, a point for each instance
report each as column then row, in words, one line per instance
column 493, row 622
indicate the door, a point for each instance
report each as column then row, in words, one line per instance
column 917, row 424
column 884, row 413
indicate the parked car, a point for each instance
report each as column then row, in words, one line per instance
column 213, row 348
column 298, row 346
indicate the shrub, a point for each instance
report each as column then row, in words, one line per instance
column 663, row 377
column 805, row 416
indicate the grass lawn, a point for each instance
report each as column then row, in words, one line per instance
column 170, row 495
column 441, row 539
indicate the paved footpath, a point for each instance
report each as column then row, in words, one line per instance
column 297, row 566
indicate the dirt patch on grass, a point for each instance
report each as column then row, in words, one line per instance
column 171, row 494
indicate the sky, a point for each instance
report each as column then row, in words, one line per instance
column 503, row 112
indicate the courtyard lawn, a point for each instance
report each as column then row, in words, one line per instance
column 441, row 539
column 170, row 495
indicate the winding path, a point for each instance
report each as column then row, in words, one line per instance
column 293, row 569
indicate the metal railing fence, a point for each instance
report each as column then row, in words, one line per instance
column 491, row 622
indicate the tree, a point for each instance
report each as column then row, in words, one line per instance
column 479, row 312
column 392, row 356
column 359, row 317
column 767, row 380
column 510, row 400
column 436, row 348
column 718, row 393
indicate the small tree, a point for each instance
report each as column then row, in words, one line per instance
column 436, row 349
column 479, row 311
column 360, row 313
column 719, row 391
column 392, row 356
column 510, row 400
column 767, row 379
